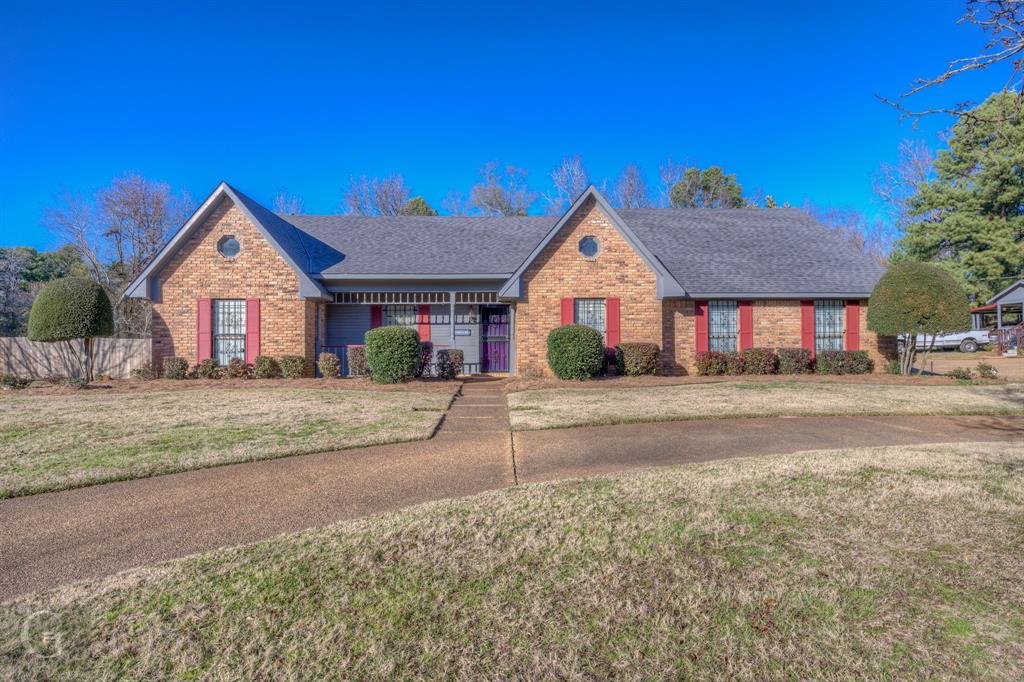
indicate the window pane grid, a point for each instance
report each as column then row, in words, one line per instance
column 228, row 330
column 590, row 312
column 722, row 327
column 399, row 316
column 828, row 325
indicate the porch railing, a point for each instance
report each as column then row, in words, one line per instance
column 431, row 370
column 1010, row 338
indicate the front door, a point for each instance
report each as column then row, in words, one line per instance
column 494, row 332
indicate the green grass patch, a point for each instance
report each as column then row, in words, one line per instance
column 54, row 442
column 726, row 570
column 564, row 407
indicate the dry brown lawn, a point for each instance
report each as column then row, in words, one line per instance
column 56, row 441
column 553, row 408
column 898, row 562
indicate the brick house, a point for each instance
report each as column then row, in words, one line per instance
column 238, row 281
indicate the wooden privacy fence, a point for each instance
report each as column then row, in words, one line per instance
column 115, row 358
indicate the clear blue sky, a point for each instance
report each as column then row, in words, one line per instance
column 280, row 96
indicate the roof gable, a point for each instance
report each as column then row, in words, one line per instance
column 666, row 283
column 1007, row 291
column 284, row 237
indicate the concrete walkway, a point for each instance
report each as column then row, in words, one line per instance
column 54, row 538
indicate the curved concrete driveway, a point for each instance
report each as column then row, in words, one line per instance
column 54, row 538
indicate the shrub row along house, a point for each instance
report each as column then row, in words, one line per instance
column 238, row 280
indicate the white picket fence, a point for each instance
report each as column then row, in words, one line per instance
column 115, row 358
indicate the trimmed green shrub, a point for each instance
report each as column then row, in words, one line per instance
column 794, row 360
column 987, row 371
column 393, row 354
column 637, row 359
column 733, row 363
column 843, row 362
column 237, row 369
column 914, row 298
column 357, row 364
column 329, row 365
column 144, row 372
column 426, row 355
column 575, row 352
column 207, row 369
column 710, row 363
column 760, row 361
column 266, row 367
column 292, row 366
column 175, row 368
column 449, row 363
column 72, row 308
column 9, row 382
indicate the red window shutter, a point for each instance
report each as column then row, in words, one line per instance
column 568, row 315
column 746, row 324
column 700, row 325
column 611, row 322
column 204, row 330
column 423, row 322
column 376, row 315
column 807, row 326
column 252, row 329
column 853, row 325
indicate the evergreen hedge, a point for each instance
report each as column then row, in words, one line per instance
column 575, row 352
column 636, row 359
column 393, row 354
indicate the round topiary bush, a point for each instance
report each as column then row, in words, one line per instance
column 71, row 308
column 575, row 352
column 912, row 299
column 393, row 354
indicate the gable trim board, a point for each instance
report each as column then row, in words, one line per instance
column 142, row 286
column 667, row 286
column 1002, row 294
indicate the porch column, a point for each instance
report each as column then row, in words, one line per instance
column 999, row 315
column 451, row 315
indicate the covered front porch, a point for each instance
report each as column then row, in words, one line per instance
column 472, row 321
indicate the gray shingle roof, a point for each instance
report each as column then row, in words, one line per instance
column 752, row 251
column 418, row 245
column 709, row 251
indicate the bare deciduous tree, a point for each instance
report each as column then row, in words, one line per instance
column 570, row 179
column 455, row 203
column 1003, row 22
column 376, row 196
column 670, row 173
column 630, row 189
column 871, row 238
column 286, row 203
column 503, row 191
column 894, row 184
column 116, row 234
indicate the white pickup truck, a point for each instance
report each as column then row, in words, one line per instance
column 965, row 342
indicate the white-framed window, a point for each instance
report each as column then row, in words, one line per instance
column 228, row 330
column 722, row 326
column 589, row 311
column 829, row 324
column 398, row 316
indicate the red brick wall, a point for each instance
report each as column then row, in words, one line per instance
column 197, row 270
column 560, row 271
column 776, row 325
